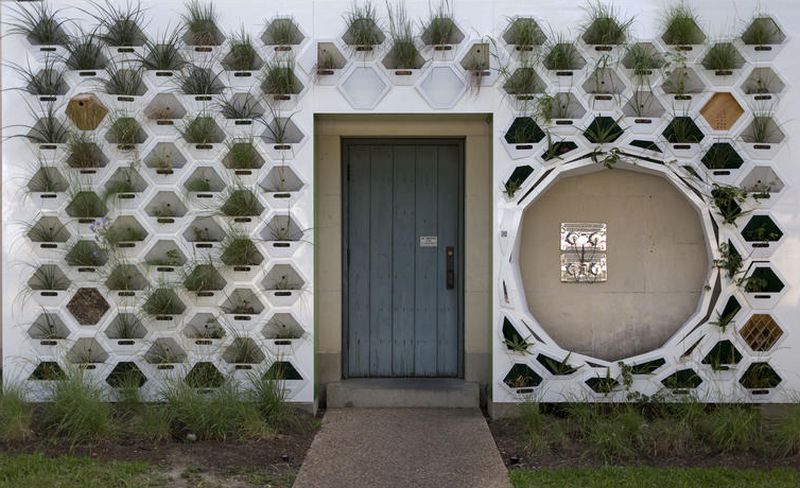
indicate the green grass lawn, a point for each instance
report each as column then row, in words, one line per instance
column 654, row 477
column 72, row 472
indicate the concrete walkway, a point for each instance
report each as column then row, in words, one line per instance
column 407, row 447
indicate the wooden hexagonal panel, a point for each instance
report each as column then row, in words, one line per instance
column 761, row 332
column 86, row 111
column 722, row 111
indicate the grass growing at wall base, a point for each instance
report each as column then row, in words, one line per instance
column 40, row 470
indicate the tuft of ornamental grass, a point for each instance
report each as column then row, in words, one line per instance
column 681, row 26
column 642, row 59
column 278, row 78
column 362, row 25
column 45, row 81
column 197, row 80
column 120, row 22
column 763, row 130
column 762, row 31
column 48, row 129
column 242, row 154
column 240, row 108
column 77, row 410
column 403, row 54
column 242, row 55
column 161, row 300
column 163, row 53
column 202, row 277
column 243, row 349
column 46, row 179
column 198, row 185
column 126, row 81
column 524, row 33
column 86, row 253
column 283, row 32
column 125, row 131
column 82, row 151
column 563, row 55
column 84, row 52
column 280, row 229
column 39, row 24
column 15, row 414
column 734, row 427
column 722, row 56
column 200, row 21
column 241, row 202
column 785, row 432
column 47, row 232
column 605, row 25
column 440, row 28
column 201, row 130
column 238, row 249
column 269, row 396
column 48, row 277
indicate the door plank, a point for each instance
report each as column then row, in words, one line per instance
column 447, row 304
column 380, row 256
column 405, row 243
column 358, row 271
column 426, row 263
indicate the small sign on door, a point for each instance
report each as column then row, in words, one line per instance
column 428, row 241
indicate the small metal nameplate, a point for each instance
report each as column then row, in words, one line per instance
column 428, row 241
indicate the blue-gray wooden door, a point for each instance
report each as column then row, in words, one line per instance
column 402, row 216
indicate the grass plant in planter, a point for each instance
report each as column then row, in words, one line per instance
column 202, row 132
column 282, row 330
column 126, row 133
column 722, row 159
column 278, row 80
column 241, row 306
column 281, row 134
column 282, row 35
column 47, row 285
column 199, row 82
column 243, row 353
column 46, row 185
column 283, row 235
column 242, row 60
column 728, row 200
column 240, row 252
column 165, row 354
column 440, row 31
column 162, row 56
column 203, row 279
column 683, row 134
column 205, row 330
column 722, row 60
column 762, row 36
column 124, row 83
column 524, row 84
column 124, row 186
column 642, row 60
column 242, row 109
column 84, row 154
column 85, row 205
column 240, row 205
column 403, row 60
column 681, row 28
column 605, row 26
column 761, row 232
column 200, row 27
column 125, row 281
column 48, row 329
column 86, row 256
column 121, row 25
column 46, row 84
column 283, row 285
column 762, row 135
column 48, row 132
column 522, row 135
column 40, row 25
column 125, row 233
column 85, row 54
column 162, row 303
column 126, row 329
column 243, row 158
column 563, row 58
column 205, row 234
column 363, row 33
column 524, row 34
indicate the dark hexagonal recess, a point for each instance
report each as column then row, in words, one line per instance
column 682, row 379
column 126, row 375
column 603, row 130
column 683, row 130
column 522, row 376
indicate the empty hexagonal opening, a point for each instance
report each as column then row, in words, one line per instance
column 763, row 81
column 524, row 82
column 242, row 56
column 524, row 131
column 721, row 111
column 243, row 350
column 88, row 306
column 279, row 80
column 604, row 81
column 564, row 56
column 126, row 277
column 643, row 104
column 126, row 133
column 165, row 256
column 124, row 232
column 722, row 356
column 760, row 377
column 722, row 156
column 282, row 277
column 282, row 228
column 556, row 367
column 124, row 183
column 204, row 180
column 682, row 379
column 204, row 279
column 165, row 109
column 643, row 58
column 47, row 180
column 126, row 83
column 165, row 351
column 763, row 32
column 402, row 62
column 761, row 182
column 48, row 371
column 524, row 34
column 763, row 280
column 126, row 375
column 48, row 230
column 560, row 106
column 204, row 327
column 761, row 229
column 241, row 203
column 603, row 130
column 283, row 370
column 363, row 87
column 204, row 375
column 125, row 329
column 166, row 207
column 683, row 130
column 48, row 328
column 516, row 180
column 243, row 155
column 648, row 367
column 440, row 30
column 281, row 179
column 87, row 351
column 282, row 33
column 202, row 131
column 329, row 59
column 86, row 255
column 442, row 86
column 165, row 158
column 761, row 332
column 763, row 131
column 162, row 301
column 283, row 326
column 48, row 277
column 242, row 302
column 723, row 58
column 86, row 111
column 682, row 82
column 239, row 251
column 204, row 229
column 243, row 107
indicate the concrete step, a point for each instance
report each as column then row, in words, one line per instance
column 403, row 393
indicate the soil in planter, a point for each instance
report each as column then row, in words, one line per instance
column 88, row 306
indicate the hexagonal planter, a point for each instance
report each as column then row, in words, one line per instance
column 283, row 285
column 46, row 187
column 283, row 37
column 88, row 306
column 402, row 75
column 239, row 113
column 278, row 93
column 564, row 63
column 762, row 137
column 329, row 64
column 125, row 86
column 163, row 114
column 522, row 36
column 162, row 304
column 763, row 185
column 762, row 285
column 203, row 45
column 722, row 64
column 205, row 331
column 444, row 48
column 282, row 332
column 682, row 85
column 282, row 187
column 48, row 332
column 49, row 237
column 762, row 39
column 125, row 186
column 204, row 282
column 684, row 137
column 126, row 283
column 87, row 353
column 522, row 137
column 126, row 235
column 203, row 187
column 761, row 235
column 203, row 137
column 205, row 235
column 241, row 208
column 166, row 212
column 642, row 64
column 48, row 285
column 164, row 257
column 165, row 354
column 241, row 63
column 759, row 379
column 244, row 160
column 126, row 331
column 282, row 138
column 242, row 307
column 241, row 256
column 523, row 85
column 763, row 84
column 481, row 65
column 564, row 111
column 605, row 88
column 643, row 112
column 282, row 235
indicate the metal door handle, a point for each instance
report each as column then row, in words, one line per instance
column 451, row 268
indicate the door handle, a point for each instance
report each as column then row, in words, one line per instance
column 450, row 260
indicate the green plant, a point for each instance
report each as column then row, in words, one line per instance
column 523, row 81
column 735, row 427
column 15, row 414
column 242, row 154
column 39, row 24
column 240, row 108
column 197, row 80
column 119, row 186
column 161, row 300
column 278, row 128
column 86, row 253
column 403, row 54
column 762, row 130
column 283, row 32
column 278, row 78
column 281, row 229
column 681, row 26
column 239, row 250
column 244, row 350
column 524, row 33
column 162, row 54
column 563, row 56
column 84, row 52
column 200, row 130
column 48, row 277
column 683, row 130
column 121, row 23
column 729, row 260
column 269, row 396
column 77, row 410
column 242, row 55
column 127, row 326
column 722, row 57
column 125, row 131
column 785, row 431
column 362, row 26
column 125, row 81
column 762, row 31
column 202, row 277
column 45, row 232
column 48, row 129
column 440, row 28
column 727, row 199
column 603, row 130
column 86, row 204
column 642, row 59
column 121, row 278
column 612, row 437
column 241, row 202
column 605, row 25
column 47, row 81
column 200, row 22
column 82, row 151
column 518, row 344
column 198, row 184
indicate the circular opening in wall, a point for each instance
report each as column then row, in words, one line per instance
column 655, row 262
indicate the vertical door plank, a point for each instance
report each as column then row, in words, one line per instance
column 405, row 243
column 447, row 304
column 358, row 271
column 426, row 263
column 380, row 256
